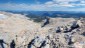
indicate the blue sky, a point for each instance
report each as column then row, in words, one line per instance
column 23, row 1
column 43, row 5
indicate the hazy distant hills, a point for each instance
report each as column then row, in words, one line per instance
column 52, row 13
column 40, row 15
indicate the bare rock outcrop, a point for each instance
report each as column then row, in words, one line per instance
column 18, row 31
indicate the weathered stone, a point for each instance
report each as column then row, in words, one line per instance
column 55, row 32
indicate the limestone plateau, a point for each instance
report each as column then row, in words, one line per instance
column 19, row 31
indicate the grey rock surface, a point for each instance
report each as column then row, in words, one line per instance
column 18, row 31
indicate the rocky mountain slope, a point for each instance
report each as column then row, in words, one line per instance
column 18, row 31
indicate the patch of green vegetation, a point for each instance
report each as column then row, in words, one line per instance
column 36, row 18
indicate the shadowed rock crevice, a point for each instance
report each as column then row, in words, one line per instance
column 83, row 34
column 46, row 22
column 75, row 25
column 72, row 28
column 43, row 44
column 30, row 43
column 1, row 43
column 12, row 44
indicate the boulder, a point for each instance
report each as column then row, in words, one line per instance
column 76, row 24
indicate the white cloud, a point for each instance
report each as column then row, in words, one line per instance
column 83, row 2
column 10, row 6
column 49, row 6
column 49, row 3
column 67, row 3
column 36, row 7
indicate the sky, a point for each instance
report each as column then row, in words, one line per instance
column 43, row 5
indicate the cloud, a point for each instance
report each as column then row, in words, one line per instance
column 54, row 5
column 83, row 2
column 49, row 3
column 67, row 3
column 11, row 6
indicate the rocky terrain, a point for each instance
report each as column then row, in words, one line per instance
column 18, row 31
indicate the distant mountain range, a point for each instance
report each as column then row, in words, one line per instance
column 42, row 14
column 51, row 13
